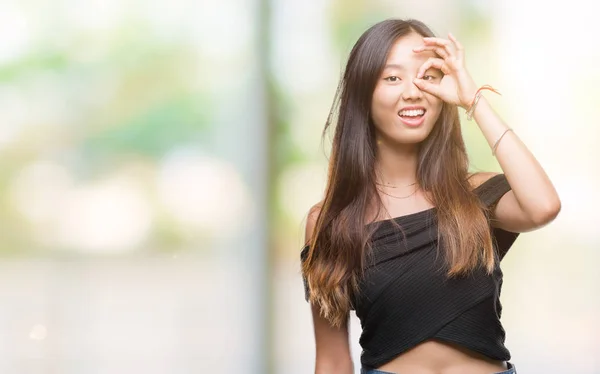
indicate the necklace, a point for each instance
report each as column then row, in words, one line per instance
column 393, row 186
column 399, row 197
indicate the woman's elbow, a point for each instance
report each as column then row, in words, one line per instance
column 548, row 212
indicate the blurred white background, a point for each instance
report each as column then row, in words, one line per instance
column 158, row 159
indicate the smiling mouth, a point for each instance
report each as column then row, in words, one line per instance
column 412, row 113
column 412, row 117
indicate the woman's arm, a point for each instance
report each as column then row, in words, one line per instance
column 332, row 346
column 331, row 343
column 533, row 201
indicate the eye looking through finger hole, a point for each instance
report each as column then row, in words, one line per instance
column 432, row 75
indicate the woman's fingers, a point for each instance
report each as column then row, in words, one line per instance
column 428, row 87
column 443, row 43
column 432, row 62
column 440, row 51
column 460, row 51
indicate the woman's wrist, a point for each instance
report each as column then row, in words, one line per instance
column 470, row 98
column 470, row 108
column 469, row 91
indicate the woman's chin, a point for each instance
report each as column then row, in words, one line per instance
column 413, row 136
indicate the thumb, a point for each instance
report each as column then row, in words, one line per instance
column 427, row 87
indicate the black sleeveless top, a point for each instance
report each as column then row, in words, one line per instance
column 406, row 297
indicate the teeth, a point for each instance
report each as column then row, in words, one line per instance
column 412, row 113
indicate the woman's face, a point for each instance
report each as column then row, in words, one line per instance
column 401, row 112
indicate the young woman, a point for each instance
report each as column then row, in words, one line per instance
column 405, row 236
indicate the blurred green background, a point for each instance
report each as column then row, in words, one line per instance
column 158, row 159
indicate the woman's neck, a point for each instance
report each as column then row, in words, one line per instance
column 397, row 165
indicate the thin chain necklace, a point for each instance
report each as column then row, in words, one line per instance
column 399, row 197
column 392, row 186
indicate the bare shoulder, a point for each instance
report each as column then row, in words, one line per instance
column 311, row 221
column 477, row 179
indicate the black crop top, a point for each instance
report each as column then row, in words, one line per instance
column 405, row 299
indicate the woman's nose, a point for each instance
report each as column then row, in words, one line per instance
column 412, row 92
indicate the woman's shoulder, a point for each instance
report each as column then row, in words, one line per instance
column 311, row 221
column 313, row 215
column 489, row 186
column 479, row 179
column 314, row 211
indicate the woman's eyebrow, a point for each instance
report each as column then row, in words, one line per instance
column 394, row 66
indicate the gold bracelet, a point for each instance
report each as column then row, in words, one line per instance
column 498, row 141
column 473, row 106
column 475, row 100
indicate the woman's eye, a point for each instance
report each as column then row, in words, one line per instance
column 428, row 77
column 392, row 79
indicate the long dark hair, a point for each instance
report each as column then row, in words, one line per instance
column 340, row 241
